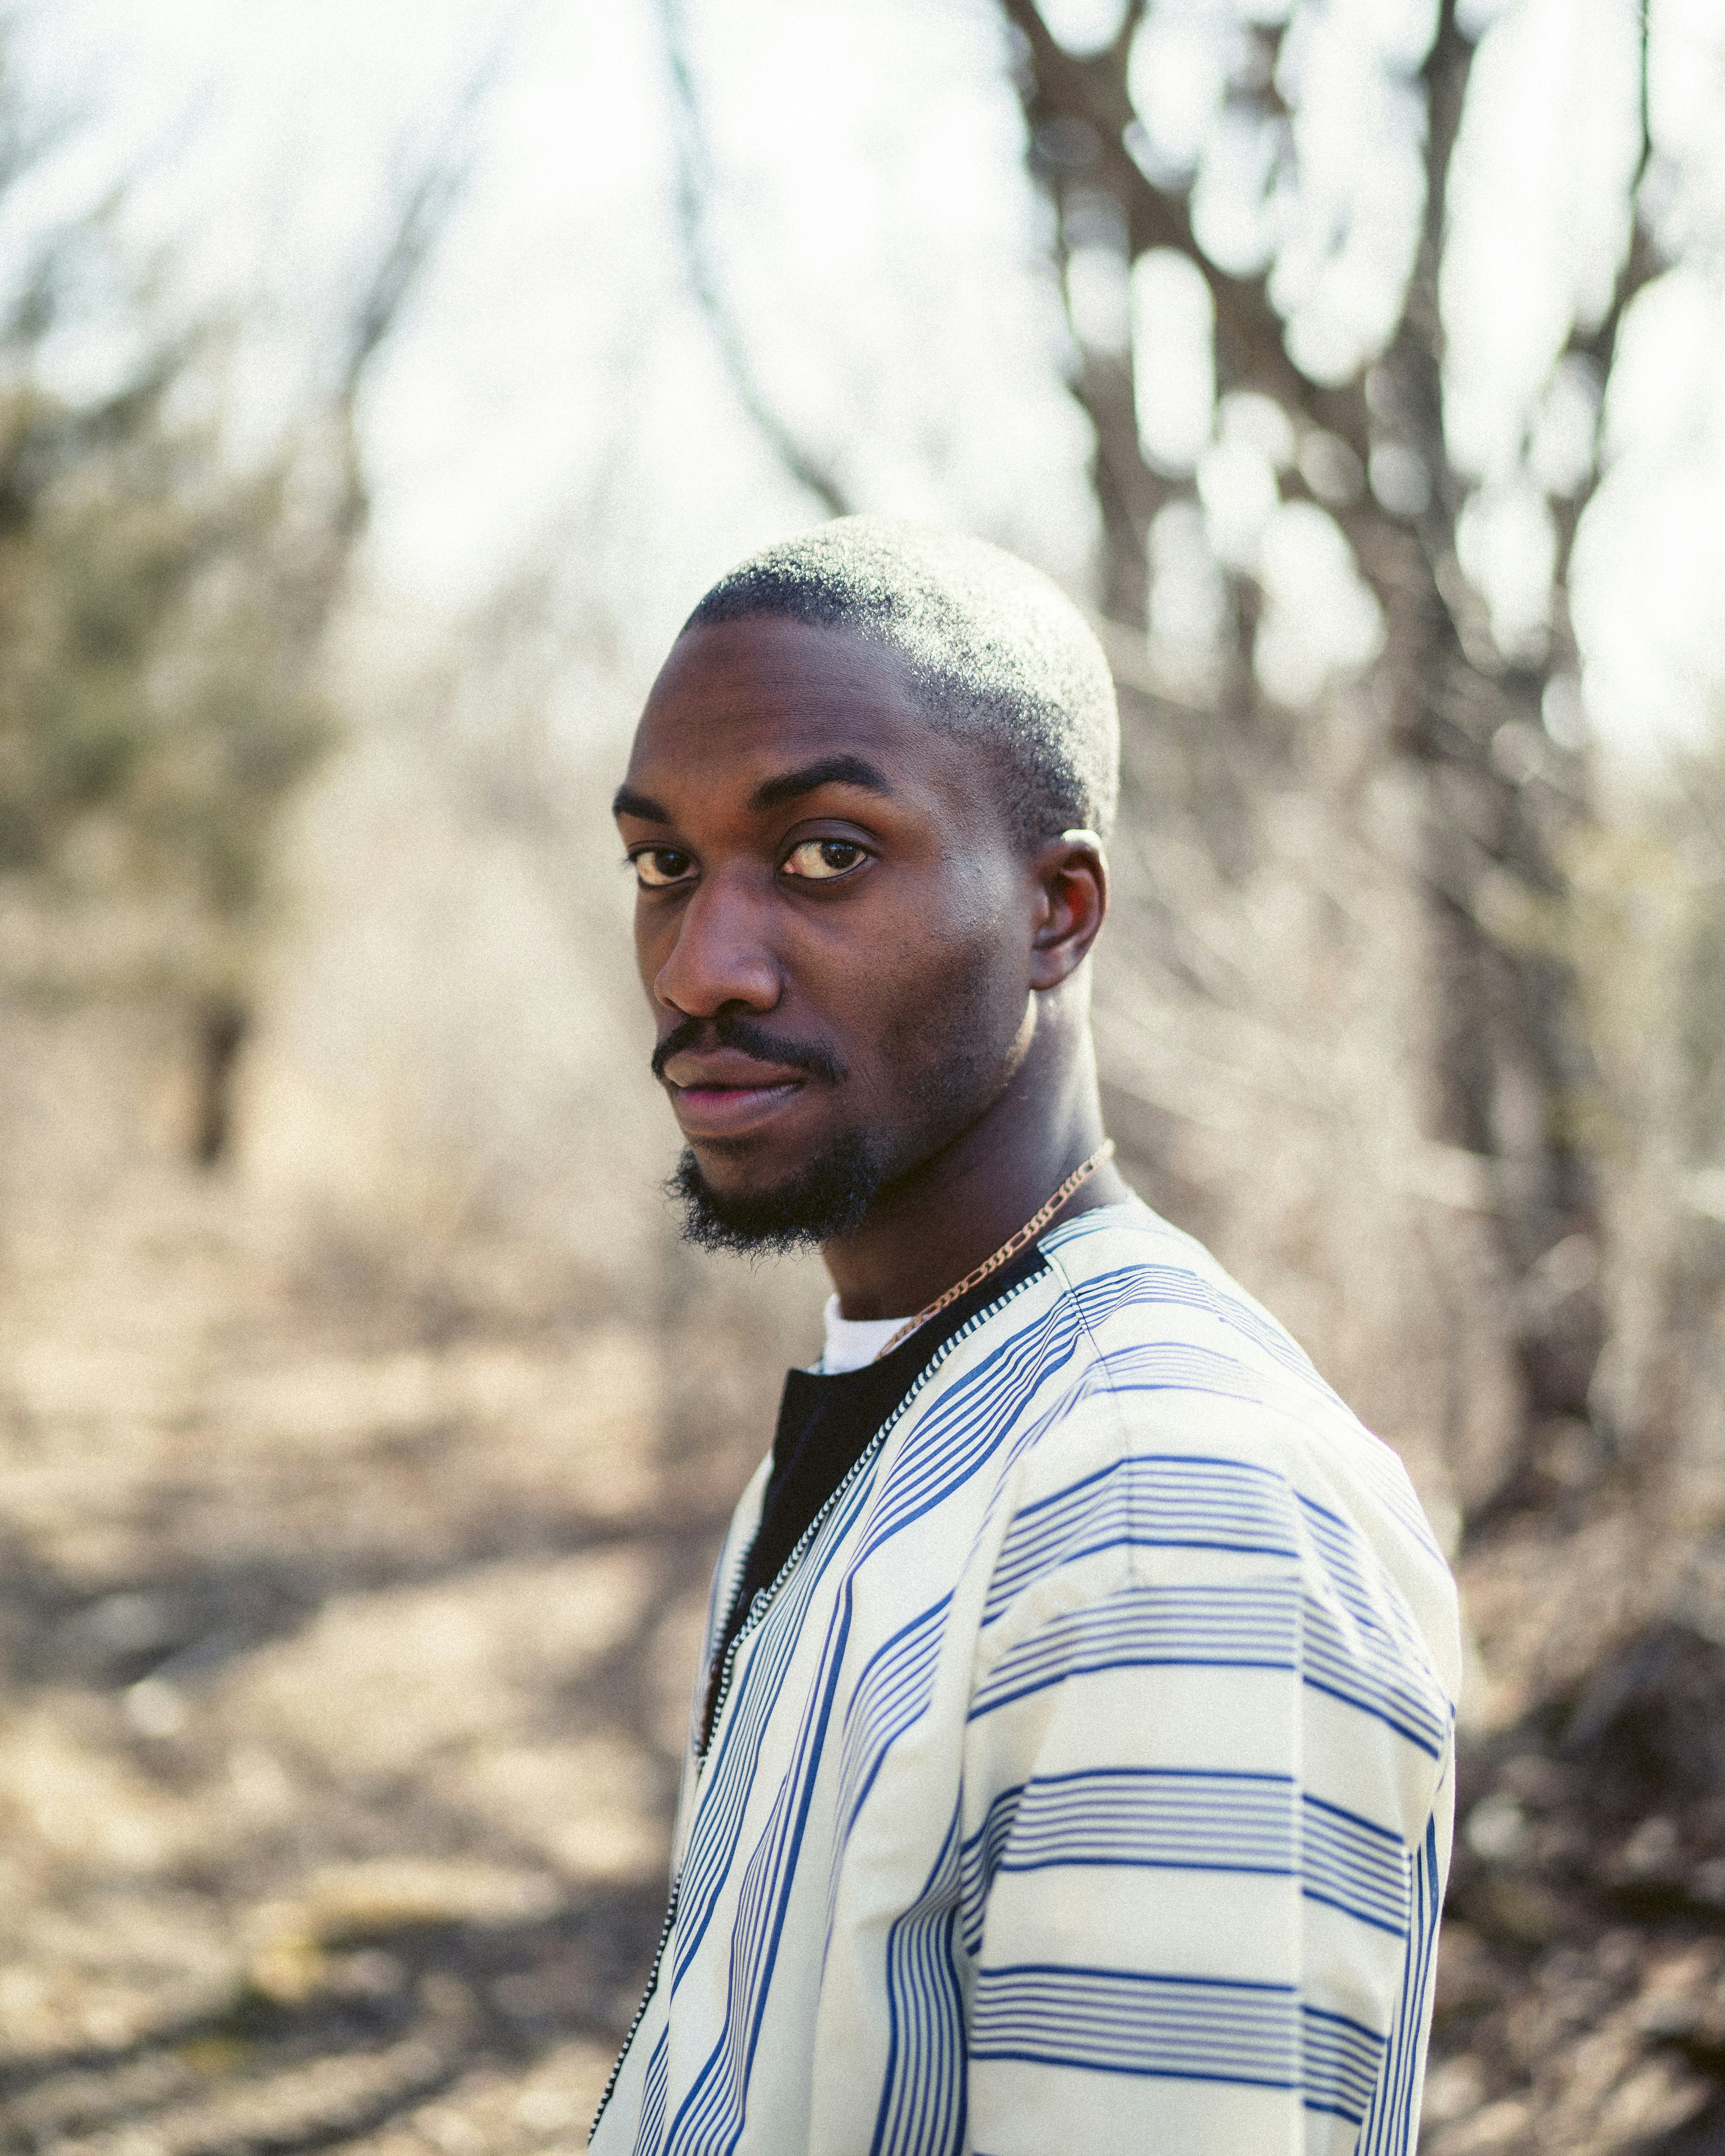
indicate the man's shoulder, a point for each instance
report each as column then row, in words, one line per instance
column 1181, row 1396
column 1127, row 1307
column 1134, row 1277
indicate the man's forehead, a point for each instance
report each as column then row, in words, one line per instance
column 772, row 661
column 745, row 702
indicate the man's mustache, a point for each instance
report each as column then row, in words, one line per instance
column 730, row 1031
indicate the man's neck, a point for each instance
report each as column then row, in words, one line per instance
column 941, row 1222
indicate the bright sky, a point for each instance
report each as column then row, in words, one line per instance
column 554, row 360
column 553, row 404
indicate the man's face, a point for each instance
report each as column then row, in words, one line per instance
column 834, row 923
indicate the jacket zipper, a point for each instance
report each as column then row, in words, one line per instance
column 665, row 1932
column 758, row 1609
column 763, row 1599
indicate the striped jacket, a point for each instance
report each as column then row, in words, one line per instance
column 1084, row 1780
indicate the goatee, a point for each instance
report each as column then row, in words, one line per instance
column 828, row 1199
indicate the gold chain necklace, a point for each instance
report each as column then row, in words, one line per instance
column 1009, row 1249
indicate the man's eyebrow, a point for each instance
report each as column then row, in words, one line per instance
column 626, row 802
column 831, row 771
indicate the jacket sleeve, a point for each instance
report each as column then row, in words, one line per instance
column 1205, row 1822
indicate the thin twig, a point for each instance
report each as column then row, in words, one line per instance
column 694, row 190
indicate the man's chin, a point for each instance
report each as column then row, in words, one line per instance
column 827, row 1198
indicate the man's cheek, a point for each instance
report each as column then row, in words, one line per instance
column 937, row 1061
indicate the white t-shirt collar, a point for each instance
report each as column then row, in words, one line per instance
column 853, row 1342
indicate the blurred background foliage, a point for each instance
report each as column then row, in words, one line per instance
column 160, row 609
column 367, row 426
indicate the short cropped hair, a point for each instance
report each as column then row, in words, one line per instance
column 994, row 647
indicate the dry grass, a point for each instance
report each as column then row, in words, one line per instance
column 350, row 1600
column 352, row 1613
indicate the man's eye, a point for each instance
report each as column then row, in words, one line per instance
column 821, row 859
column 661, row 865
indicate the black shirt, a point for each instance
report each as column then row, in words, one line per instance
column 825, row 1424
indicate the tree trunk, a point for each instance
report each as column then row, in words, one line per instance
column 1366, row 1084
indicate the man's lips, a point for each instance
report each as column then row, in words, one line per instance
column 721, row 1094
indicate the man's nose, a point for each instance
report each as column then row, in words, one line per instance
column 721, row 955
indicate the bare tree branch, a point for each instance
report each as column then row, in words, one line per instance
column 1499, row 1012
column 1092, row 90
column 421, row 218
column 1642, row 264
column 694, row 188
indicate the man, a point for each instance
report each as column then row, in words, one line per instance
column 1071, row 1765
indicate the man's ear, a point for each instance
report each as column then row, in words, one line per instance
column 1071, row 877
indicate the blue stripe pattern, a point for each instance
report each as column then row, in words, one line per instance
column 922, row 2100
column 1353, row 1865
column 1091, row 1755
column 1360, row 1669
column 1223, row 1628
column 1153, row 1818
column 1133, row 2021
column 1152, row 1501
column 891, row 1695
column 1392, row 2124
column 1339, row 2061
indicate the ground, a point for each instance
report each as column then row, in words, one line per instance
column 352, row 1613
column 350, row 1605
